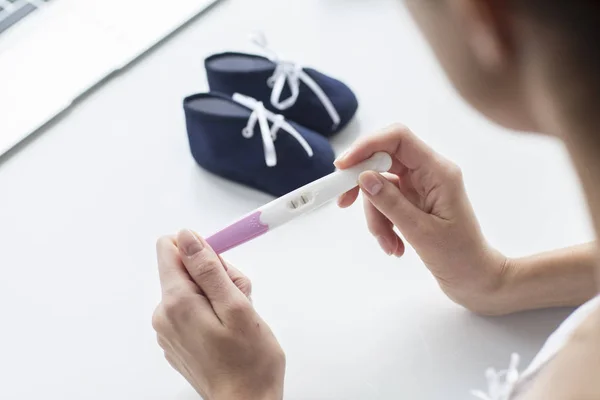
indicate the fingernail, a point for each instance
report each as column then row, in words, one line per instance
column 371, row 183
column 385, row 245
column 189, row 243
column 342, row 156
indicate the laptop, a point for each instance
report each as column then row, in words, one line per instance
column 53, row 51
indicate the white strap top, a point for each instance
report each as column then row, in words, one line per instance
column 509, row 385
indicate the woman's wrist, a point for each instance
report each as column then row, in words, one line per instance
column 561, row 278
column 500, row 299
column 484, row 294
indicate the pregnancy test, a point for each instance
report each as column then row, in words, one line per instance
column 294, row 204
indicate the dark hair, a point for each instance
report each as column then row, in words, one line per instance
column 570, row 29
column 562, row 10
column 576, row 21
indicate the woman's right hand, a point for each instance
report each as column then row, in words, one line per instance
column 208, row 328
column 424, row 197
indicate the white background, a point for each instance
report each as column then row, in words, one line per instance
column 82, row 205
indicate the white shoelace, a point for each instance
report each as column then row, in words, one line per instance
column 292, row 74
column 497, row 389
column 262, row 116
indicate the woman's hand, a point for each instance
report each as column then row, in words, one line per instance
column 208, row 328
column 423, row 196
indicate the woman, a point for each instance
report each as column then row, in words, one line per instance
column 529, row 65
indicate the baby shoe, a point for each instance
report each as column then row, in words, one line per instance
column 238, row 139
column 303, row 95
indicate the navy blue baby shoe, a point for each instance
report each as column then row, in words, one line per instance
column 303, row 95
column 239, row 139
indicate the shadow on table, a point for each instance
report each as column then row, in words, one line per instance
column 476, row 343
column 462, row 331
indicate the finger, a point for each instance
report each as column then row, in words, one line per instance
column 406, row 187
column 241, row 281
column 173, row 276
column 391, row 202
column 395, row 179
column 208, row 272
column 383, row 230
column 406, row 149
column 348, row 198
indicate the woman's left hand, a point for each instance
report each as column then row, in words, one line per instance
column 208, row 328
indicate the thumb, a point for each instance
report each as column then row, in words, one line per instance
column 390, row 201
column 206, row 270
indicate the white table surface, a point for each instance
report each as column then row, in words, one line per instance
column 82, row 205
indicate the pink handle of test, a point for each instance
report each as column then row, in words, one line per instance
column 238, row 233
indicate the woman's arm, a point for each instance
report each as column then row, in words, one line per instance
column 554, row 279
